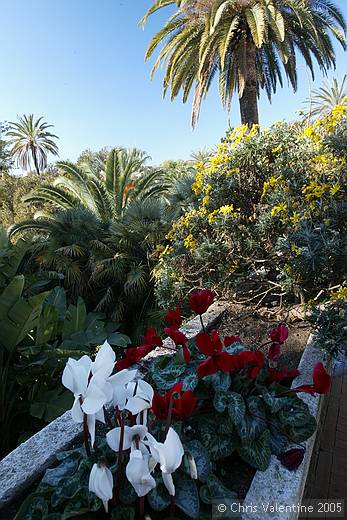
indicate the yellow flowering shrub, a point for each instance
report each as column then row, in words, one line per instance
column 276, row 196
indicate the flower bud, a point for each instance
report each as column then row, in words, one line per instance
column 101, row 483
column 192, row 466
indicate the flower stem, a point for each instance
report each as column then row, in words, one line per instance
column 120, row 458
column 173, row 506
column 169, row 415
column 85, row 431
column 142, row 506
column 202, row 324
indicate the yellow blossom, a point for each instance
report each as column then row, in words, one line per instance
column 190, row 243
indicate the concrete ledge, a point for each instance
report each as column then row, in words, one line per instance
column 277, row 485
column 20, row 468
column 193, row 327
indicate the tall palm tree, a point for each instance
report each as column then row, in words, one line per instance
column 325, row 98
column 247, row 43
column 32, row 142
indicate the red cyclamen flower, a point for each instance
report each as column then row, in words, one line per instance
column 276, row 376
column 151, row 338
column 180, row 340
column 321, row 382
column 182, row 406
column 211, row 346
column 132, row 356
column 230, row 340
column 200, row 300
column 173, row 318
column 274, row 351
column 279, row 334
column 292, row 458
column 245, row 359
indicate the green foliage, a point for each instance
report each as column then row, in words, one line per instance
column 330, row 327
column 271, row 219
column 12, row 189
column 103, row 233
column 5, row 156
column 324, row 99
column 39, row 333
column 241, row 412
column 252, row 416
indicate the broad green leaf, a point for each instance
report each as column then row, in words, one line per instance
column 257, row 452
column 187, row 496
column 221, row 401
column 167, row 377
column 159, row 498
column 57, row 298
column 220, row 381
column 216, row 436
column 54, row 476
column 119, row 340
column 51, row 405
column 302, row 432
column 47, row 326
column 75, row 319
column 10, row 295
column 236, row 407
column 297, row 415
column 201, row 457
column 190, row 381
column 275, row 403
column 214, row 489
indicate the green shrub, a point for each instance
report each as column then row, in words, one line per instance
column 38, row 333
column 330, row 324
column 271, row 219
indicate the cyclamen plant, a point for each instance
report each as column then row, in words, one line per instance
column 167, row 431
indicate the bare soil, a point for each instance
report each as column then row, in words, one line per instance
column 253, row 328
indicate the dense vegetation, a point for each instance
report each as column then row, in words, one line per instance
column 270, row 217
column 97, row 249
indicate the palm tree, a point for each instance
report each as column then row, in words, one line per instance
column 127, row 180
column 32, row 142
column 201, row 156
column 247, row 43
column 324, row 99
column 102, row 235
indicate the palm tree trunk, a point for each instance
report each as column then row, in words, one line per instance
column 33, row 151
column 249, row 99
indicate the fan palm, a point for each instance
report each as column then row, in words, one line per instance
column 248, row 43
column 32, row 142
column 103, row 234
column 324, row 99
column 127, row 179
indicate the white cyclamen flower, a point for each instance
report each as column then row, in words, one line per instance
column 131, row 434
column 104, row 361
column 119, row 382
column 139, row 396
column 101, row 483
column 169, row 455
column 138, row 473
column 91, row 392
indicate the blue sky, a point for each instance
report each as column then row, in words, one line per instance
column 80, row 64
